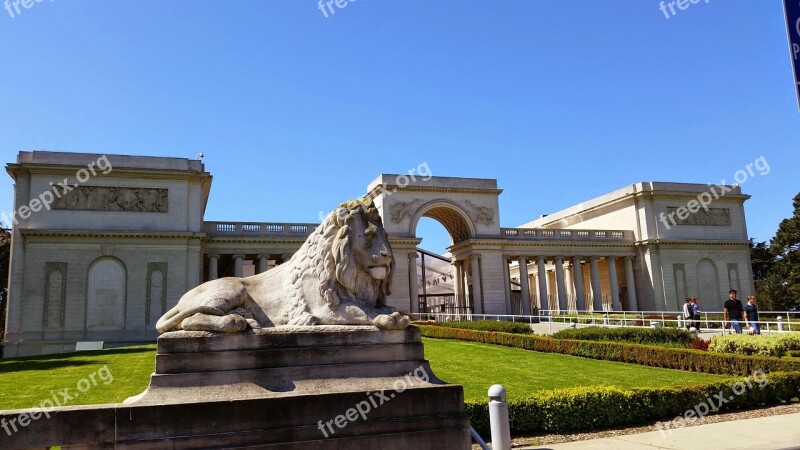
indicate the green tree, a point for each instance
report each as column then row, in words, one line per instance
column 776, row 268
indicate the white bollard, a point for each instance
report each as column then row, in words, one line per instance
column 498, row 418
column 680, row 321
column 780, row 323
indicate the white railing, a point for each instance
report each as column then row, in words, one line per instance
column 710, row 322
column 239, row 229
column 567, row 235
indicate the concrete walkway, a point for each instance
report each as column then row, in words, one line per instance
column 772, row 432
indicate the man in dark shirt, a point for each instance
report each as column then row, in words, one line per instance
column 733, row 311
column 751, row 314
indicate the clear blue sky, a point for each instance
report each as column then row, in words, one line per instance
column 560, row 101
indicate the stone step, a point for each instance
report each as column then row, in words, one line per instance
column 172, row 363
column 283, row 337
column 276, row 422
column 280, row 379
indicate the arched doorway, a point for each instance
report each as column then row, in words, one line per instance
column 105, row 295
column 708, row 284
column 441, row 286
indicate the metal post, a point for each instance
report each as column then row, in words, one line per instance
column 498, row 418
column 780, row 323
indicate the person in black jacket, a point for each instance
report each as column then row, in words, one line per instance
column 733, row 311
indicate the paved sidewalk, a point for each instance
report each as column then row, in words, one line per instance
column 772, row 432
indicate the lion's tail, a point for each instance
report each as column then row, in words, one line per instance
column 175, row 316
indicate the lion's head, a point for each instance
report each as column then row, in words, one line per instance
column 360, row 259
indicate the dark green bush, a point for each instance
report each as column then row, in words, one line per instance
column 647, row 355
column 596, row 407
column 491, row 325
column 657, row 336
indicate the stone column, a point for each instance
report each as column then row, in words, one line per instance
column 238, row 265
column 568, row 284
column 413, row 286
column 597, row 293
column 476, row 284
column 263, row 263
column 612, row 278
column 507, row 284
column 561, row 291
column 526, row 289
column 632, row 303
column 213, row 260
column 542, row 277
column 577, row 277
column 456, row 285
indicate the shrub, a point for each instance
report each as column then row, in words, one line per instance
column 655, row 336
column 763, row 345
column 491, row 325
column 648, row 355
column 595, row 407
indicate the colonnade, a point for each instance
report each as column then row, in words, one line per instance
column 568, row 281
column 260, row 261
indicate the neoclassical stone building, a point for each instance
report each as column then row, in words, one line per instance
column 123, row 237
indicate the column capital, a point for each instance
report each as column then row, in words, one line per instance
column 263, row 255
column 238, row 256
column 213, row 255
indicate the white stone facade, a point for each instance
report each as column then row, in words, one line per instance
column 104, row 263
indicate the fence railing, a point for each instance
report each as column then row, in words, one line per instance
column 710, row 322
column 240, row 229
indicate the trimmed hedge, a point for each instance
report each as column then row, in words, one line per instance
column 491, row 325
column 588, row 408
column 764, row 344
column 648, row 355
column 657, row 336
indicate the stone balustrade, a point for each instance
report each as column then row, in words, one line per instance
column 255, row 229
column 567, row 235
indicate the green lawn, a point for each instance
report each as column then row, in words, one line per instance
column 477, row 366
column 26, row 382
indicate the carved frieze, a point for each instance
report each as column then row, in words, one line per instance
column 111, row 198
column 400, row 210
column 711, row 217
column 481, row 214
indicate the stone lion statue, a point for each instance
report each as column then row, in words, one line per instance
column 340, row 276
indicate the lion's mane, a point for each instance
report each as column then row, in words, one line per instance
column 326, row 254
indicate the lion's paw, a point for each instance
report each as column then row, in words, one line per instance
column 231, row 323
column 393, row 321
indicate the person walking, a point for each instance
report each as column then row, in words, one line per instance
column 696, row 313
column 733, row 312
column 688, row 313
column 751, row 315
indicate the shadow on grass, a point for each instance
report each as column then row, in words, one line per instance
column 73, row 359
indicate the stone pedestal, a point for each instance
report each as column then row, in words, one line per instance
column 326, row 387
